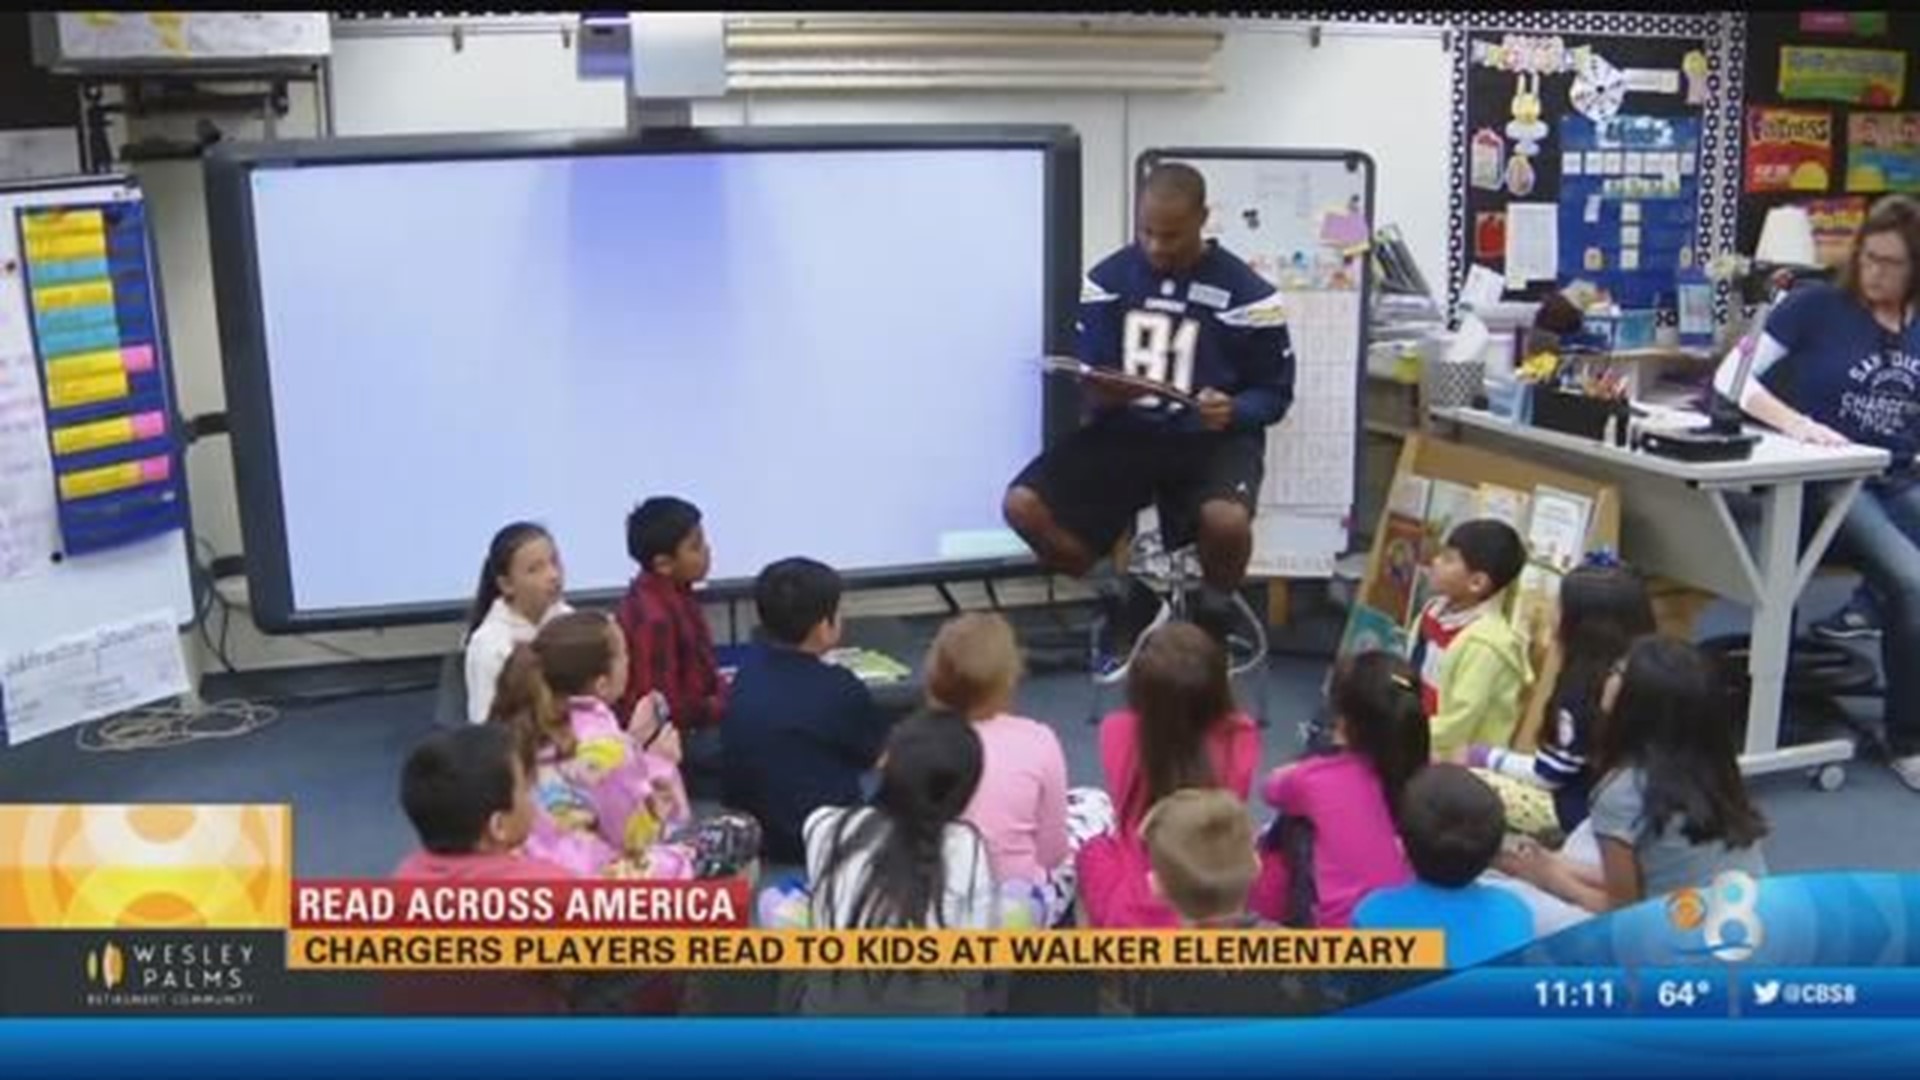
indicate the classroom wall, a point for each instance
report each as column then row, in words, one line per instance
column 1384, row 92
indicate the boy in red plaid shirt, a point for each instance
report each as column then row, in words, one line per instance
column 669, row 645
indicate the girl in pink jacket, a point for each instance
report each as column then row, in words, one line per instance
column 1180, row 730
column 605, row 794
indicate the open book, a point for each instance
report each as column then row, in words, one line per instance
column 1136, row 385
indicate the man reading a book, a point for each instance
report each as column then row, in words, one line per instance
column 1173, row 309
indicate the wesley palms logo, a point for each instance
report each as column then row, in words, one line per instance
column 107, row 966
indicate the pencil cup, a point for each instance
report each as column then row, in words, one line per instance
column 1453, row 384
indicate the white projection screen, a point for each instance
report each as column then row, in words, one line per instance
column 826, row 338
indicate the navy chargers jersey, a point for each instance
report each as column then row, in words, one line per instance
column 1220, row 325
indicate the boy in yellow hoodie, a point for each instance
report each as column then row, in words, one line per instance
column 1473, row 666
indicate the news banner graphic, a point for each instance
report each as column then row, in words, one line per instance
column 193, row 910
column 702, row 926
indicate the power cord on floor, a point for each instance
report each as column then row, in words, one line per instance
column 166, row 726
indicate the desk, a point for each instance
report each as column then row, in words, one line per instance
column 1675, row 522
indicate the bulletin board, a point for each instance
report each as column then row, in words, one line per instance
column 1303, row 220
column 1536, row 90
column 1833, row 119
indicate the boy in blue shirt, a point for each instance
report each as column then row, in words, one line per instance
column 1177, row 309
column 1452, row 825
column 799, row 733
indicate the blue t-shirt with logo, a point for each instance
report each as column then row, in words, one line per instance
column 1845, row 370
column 1219, row 325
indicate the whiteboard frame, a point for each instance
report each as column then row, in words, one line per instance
column 1353, row 159
column 26, row 599
column 243, row 338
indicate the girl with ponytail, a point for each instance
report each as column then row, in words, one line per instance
column 605, row 793
column 908, row 860
column 1337, row 836
column 520, row 589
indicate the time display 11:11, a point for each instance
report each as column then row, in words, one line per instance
column 1575, row 994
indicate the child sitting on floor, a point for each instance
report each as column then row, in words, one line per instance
column 520, row 589
column 668, row 644
column 1180, row 730
column 1453, row 826
column 1347, row 801
column 468, row 794
column 1670, row 810
column 1023, row 808
column 1472, row 666
column 604, row 793
column 800, row 733
column 908, row 860
column 1604, row 608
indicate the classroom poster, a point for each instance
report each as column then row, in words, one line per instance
column 1873, row 77
column 1402, row 558
column 1789, row 149
column 1883, row 152
column 1835, row 221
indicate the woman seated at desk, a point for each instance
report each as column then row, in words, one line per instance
column 1841, row 364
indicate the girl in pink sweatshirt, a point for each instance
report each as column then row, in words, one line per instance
column 1031, row 823
column 1180, row 730
column 1337, row 831
column 605, row 794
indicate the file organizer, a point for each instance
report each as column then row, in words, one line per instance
column 90, row 293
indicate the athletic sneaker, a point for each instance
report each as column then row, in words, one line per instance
column 1128, row 611
column 1857, row 621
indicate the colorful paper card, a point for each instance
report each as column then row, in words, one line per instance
column 1883, row 152
column 1872, row 77
column 1789, row 149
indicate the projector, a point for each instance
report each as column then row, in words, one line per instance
column 665, row 56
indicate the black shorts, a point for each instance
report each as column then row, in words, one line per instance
column 1098, row 479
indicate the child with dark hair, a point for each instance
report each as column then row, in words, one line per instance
column 468, row 793
column 669, row 645
column 1181, row 729
column 907, row 861
column 800, row 733
column 1670, row 810
column 1453, row 826
column 1473, row 667
column 520, row 589
column 1348, row 799
column 1604, row 609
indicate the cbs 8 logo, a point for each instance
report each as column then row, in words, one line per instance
column 1724, row 913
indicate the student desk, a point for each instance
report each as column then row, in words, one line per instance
column 1676, row 522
